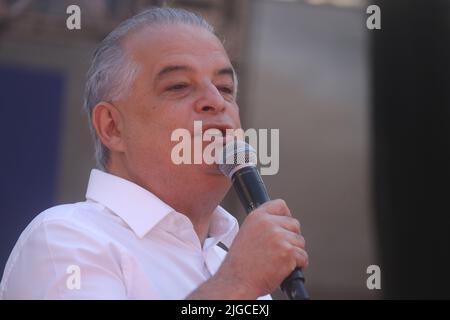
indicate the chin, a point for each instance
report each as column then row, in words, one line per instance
column 213, row 171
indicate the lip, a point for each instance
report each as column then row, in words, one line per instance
column 222, row 139
column 222, row 127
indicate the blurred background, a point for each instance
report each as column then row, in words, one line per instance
column 364, row 118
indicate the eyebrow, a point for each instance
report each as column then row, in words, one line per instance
column 174, row 68
column 227, row 71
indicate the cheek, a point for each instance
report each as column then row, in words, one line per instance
column 234, row 114
column 150, row 139
column 153, row 125
column 238, row 120
column 149, row 147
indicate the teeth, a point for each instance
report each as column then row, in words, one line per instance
column 213, row 132
column 213, row 135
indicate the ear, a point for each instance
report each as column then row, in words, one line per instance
column 108, row 123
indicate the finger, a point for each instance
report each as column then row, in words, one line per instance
column 276, row 207
column 287, row 223
column 296, row 240
column 301, row 258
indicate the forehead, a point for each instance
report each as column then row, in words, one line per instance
column 157, row 46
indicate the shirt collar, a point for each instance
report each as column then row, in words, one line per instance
column 141, row 210
column 223, row 226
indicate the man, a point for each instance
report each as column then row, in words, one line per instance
column 151, row 229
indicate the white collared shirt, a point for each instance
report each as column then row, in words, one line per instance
column 121, row 243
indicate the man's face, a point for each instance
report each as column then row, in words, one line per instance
column 184, row 75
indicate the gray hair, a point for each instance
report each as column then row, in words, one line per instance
column 111, row 73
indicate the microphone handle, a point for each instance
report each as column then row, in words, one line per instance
column 252, row 193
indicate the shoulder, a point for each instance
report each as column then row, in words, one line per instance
column 83, row 223
column 84, row 217
column 57, row 238
column 68, row 213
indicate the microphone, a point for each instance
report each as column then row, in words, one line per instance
column 238, row 162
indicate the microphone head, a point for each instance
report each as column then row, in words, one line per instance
column 236, row 155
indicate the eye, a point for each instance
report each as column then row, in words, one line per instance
column 178, row 87
column 225, row 89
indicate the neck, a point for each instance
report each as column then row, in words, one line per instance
column 195, row 195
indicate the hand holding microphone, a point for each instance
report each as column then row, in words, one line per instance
column 269, row 247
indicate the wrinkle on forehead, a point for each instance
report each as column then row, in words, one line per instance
column 155, row 47
column 158, row 40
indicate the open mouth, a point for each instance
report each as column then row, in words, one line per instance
column 217, row 131
column 214, row 132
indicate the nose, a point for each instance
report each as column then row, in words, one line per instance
column 211, row 101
